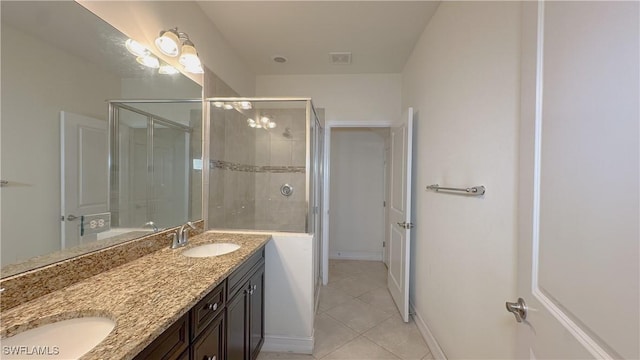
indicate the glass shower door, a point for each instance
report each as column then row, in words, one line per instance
column 169, row 191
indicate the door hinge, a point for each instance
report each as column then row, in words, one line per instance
column 384, row 244
column 384, row 204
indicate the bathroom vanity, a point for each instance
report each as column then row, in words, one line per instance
column 165, row 305
column 227, row 324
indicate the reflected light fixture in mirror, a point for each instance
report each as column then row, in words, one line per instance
column 149, row 61
column 166, row 69
column 143, row 55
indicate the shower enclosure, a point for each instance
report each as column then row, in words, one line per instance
column 155, row 162
column 265, row 163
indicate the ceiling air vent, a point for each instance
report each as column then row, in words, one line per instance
column 341, row 58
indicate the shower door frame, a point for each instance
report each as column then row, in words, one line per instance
column 152, row 120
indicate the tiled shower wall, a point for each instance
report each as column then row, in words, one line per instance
column 285, row 152
column 248, row 167
column 231, row 186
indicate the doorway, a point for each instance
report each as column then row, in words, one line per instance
column 355, row 226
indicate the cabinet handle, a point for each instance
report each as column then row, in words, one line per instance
column 213, row 307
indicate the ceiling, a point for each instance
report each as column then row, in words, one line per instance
column 379, row 34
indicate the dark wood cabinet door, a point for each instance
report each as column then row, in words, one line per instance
column 256, row 313
column 237, row 325
column 169, row 345
column 210, row 344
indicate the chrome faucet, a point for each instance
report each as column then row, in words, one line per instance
column 181, row 237
column 152, row 225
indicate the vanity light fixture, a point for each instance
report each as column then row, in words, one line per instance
column 168, row 42
column 173, row 43
column 188, row 55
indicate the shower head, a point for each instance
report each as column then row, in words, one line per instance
column 287, row 133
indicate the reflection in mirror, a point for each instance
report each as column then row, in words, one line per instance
column 153, row 171
column 61, row 198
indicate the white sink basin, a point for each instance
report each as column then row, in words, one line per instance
column 208, row 250
column 66, row 339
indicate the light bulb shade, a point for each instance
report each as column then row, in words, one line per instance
column 166, row 69
column 194, row 69
column 189, row 56
column 136, row 48
column 149, row 61
column 168, row 42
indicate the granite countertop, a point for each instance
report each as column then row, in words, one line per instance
column 144, row 296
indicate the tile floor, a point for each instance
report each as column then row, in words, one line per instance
column 357, row 318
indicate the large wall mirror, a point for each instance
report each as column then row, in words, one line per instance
column 96, row 149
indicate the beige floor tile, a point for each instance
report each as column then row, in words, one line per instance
column 380, row 299
column 374, row 268
column 357, row 301
column 402, row 339
column 331, row 297
column 329, row 335
column 355, row 286
column 358, row 315
column 361, row 348
column 284, row 356
column 350, row 267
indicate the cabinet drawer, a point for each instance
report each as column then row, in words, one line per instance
column 169, row 345
column 235, row 280
column 207, row 309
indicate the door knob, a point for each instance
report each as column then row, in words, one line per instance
column 406, row 225
column 518, row 309
column 71, row 217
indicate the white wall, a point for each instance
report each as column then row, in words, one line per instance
column 33, row 96
column 289, row 293
column 360, row 97
column 143, row 21
column 463, row 81
column 357, row 217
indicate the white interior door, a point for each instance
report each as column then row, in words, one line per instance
column 400, row 213
column 578, row 259
column 84, row 169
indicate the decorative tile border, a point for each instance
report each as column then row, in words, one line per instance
column 227, row 165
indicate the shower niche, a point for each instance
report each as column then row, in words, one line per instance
column 265, row 162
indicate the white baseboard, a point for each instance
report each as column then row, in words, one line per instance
column 431, row 341
column 356, row 255
column 288, row 344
